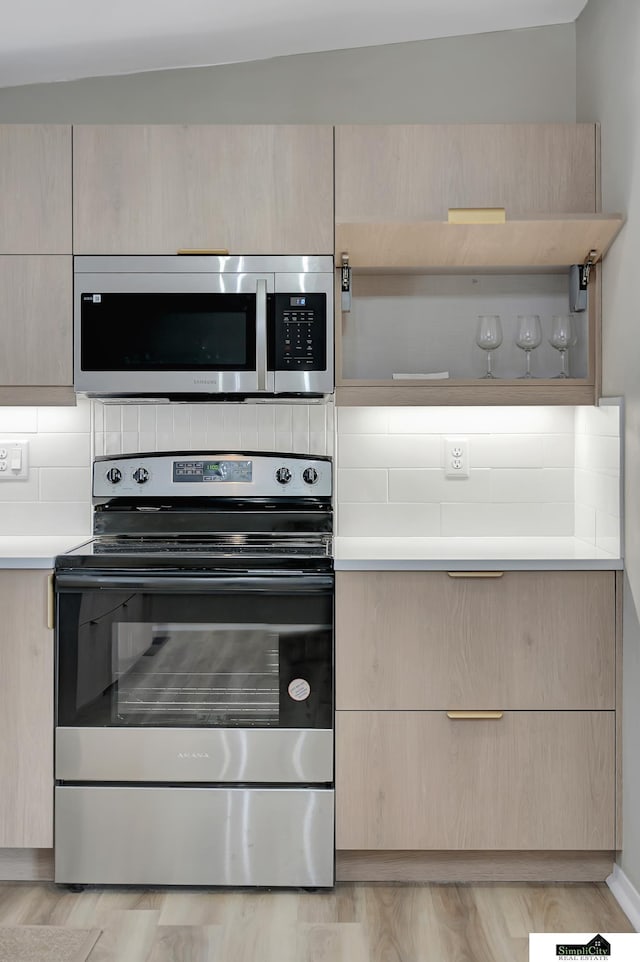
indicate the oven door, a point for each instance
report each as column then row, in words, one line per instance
column 171, row 333
column 194, row 678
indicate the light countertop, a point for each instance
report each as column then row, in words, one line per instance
column 452, row 554
column 36, row 551
column 459, row 554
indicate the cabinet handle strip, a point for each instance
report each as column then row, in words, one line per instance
column 476, row 215
column 467, row 715
column 475, row 574
column 50, row 603
column 214, row 251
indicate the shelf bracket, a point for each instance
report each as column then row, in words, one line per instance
column 579, row 275
column 345, row 283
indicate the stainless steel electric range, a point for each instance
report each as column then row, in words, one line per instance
column 194, row 668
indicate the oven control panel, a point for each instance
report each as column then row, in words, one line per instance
column 212, row 474
column 216, row 471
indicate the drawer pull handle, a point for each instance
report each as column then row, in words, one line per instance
column 475, row 574
column 466, row 715
column 215, row 251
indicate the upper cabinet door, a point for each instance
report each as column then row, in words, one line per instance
column 35, row 186
column 35, row 326
column 403, row 173
column 246, row 189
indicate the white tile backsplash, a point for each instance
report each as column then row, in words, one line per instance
column 585, row 523
column 481, row 420
column 65, row 484
column 539, row 471
column 366, row 420
column 365, row 484
column 531, row 485
column 59, row 450
column 130, row 442
column 506, row 451
column 558, row 450
column 113, row 418
column 45, row 518
column 388, row 450
column 390, row 520
column 602, row 420
column 598, row 453
column 227, row 426
column 520, row 520
column 56, row 497
column 430, row 485
column 19, row 420
column 27, row 489
column 66, row 420
column 532, row 473
column 146, row 417
column 129, row 420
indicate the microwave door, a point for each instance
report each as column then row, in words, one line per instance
column 159, row 334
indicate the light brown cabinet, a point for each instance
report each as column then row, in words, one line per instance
column 417, row 649
column 395, row 186
column 424, row 640
column 247, row 189
column 26, row 711
column 398, row 173
column 35, row 186
column 35, row 265
column 527, row 781
column 36, row 322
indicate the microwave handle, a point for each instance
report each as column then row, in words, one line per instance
column 261, row 334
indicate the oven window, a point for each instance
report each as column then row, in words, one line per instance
column 149, row 660
column 168, row 332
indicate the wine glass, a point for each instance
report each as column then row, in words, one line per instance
column 489, row 337
column 529, row 337
column 563, row 336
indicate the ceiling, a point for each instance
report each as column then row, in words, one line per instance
column 41, row 41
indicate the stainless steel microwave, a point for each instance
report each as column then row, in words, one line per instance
column 193, row 326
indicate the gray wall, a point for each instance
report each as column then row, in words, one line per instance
column 516, row 75
column 608, row 74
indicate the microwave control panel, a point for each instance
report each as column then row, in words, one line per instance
column 300, row 340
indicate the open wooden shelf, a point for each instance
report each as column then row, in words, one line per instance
column 465, row 392
column 535, row 242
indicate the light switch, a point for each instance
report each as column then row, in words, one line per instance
column 14, row 460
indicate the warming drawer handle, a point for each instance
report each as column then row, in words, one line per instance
column 469, row 715
column 475, row 574
column 212, row 585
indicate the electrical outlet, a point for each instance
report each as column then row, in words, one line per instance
column 14, row 460
column 456, row 458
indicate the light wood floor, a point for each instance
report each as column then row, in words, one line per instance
column 355, row 923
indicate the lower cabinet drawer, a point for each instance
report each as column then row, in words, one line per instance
column 528, row 780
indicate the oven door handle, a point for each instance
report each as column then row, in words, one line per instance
column 210, row 584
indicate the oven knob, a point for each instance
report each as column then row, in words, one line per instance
column 140, row 475
column 283, row 475
column 310, row 475
column 114, row 475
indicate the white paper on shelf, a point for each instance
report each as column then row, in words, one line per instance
column 434, row 376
